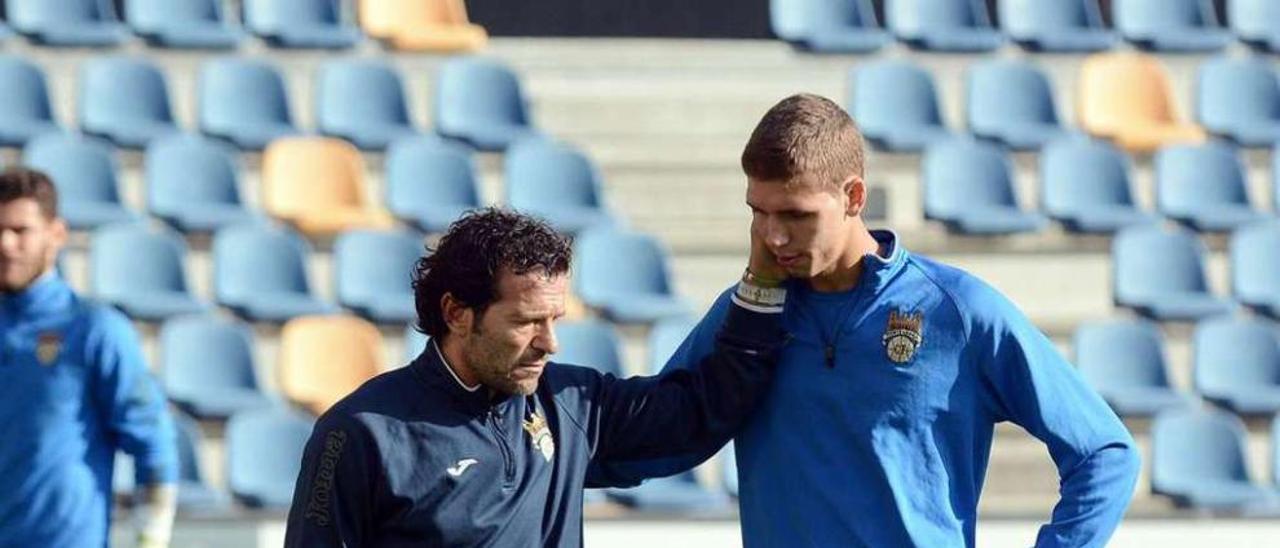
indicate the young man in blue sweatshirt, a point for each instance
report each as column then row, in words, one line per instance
column 878, row 428
column 481, row 440
column 75, row 390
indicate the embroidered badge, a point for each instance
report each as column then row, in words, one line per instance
column 540, row 436
column 903, row 335
column 48, row 345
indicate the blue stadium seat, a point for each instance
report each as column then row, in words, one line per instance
column 1203, row 186
column 429, row 182
column 195, row 495
column 1275, row 452
column 1256, row 23
column 307, row 24
column 1012, row 102
column 1237, row 364
column 264, row 455
column 1275, row 183
column 84, row 172
column 1124, row 360
column 193, row 184
column 680, row 494
column 479, row 101
column 1255, row 266
column 260, row 273
column 69, row 23
column 1170, row 25
column 665, row 337
column 414, row 343
column 1198, row 459
column 1085, row 186
column 126, row 100
column 373, row 271
column 141, row 271
column 1159, row 272
column 244, row 101
column 828, row 26
column 1239, row 98
column 195, row 24
column 1065, row 26
column 625, row 275
column 555, row 181
column 729, row 469
column 25, row 111
column 968, row 185
column 943, row 25
column 896, row 105
column 208, row 367
column 362, row 101
column 590, row 343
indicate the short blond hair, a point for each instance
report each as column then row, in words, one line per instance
column 804, row 134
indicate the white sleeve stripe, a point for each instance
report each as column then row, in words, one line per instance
column 755, row 307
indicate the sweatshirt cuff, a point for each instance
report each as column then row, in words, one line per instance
column 747, row 326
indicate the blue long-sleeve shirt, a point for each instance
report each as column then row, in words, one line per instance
column 860, row 450
column 75, row 389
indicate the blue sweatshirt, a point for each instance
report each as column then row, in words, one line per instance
column 878, row 428
column 75, row 389
column 414, row 458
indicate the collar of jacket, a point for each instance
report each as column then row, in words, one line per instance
column 430, row 368
column 877, row 271
column 48, row 293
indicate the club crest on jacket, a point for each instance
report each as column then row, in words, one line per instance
column 903, row 335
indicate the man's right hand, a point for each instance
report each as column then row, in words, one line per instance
column 763, row 264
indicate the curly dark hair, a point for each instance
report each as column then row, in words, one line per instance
column 468, row 259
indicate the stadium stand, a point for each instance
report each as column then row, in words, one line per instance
column 193, row 184
column 362, row 101
column 85, row 173
column 1256, row 23
column 1237, row 364
column 372, row 272
column 896, row 105
column 556, row 181
column 208, row 366
column 1159, row 272
column 317, row 185
column 66, row 23
column 429, row 182
column 1011, row 102
column 1124, row 360
column 324, row 358
column 1065, row 26
column 1126, row 97
column 590, row 343
column 1173, row 26
column 141, row 270
column 1085, row 185
column 1255, row 266
column 1239, row 98
column 194, row 24
column 422, row 25
column 1204, row 187
column 25, row 111
column 264, row 455
column 244, row 101
column 943, row 25
column 479, row 101
column 625, row 276
column 968, row 186
column 1198, row 459
column 828, row 26
column 126, row 100
column 259, row 272
column 414, row 343
column 300, row 24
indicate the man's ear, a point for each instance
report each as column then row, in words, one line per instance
column 459, row 317
column 855, row 192
column 58, row 238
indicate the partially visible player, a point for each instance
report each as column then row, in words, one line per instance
column 878, row 429
column 74, row 389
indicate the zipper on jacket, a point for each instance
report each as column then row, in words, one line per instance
column 508, row 460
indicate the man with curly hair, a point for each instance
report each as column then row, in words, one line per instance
column 481, row 440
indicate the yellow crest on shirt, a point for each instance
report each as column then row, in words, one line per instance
column 48, row 346
column 903, row 335
column 540, row 435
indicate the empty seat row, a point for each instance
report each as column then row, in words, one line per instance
column 850, row 26
column 1198, row 459
column 412, row 25
column 1125, row 98
column 477, row 101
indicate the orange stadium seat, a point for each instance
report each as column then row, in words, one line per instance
column 324, row 358
column 422, row 25
column 317, row 184
column 1127, row 97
